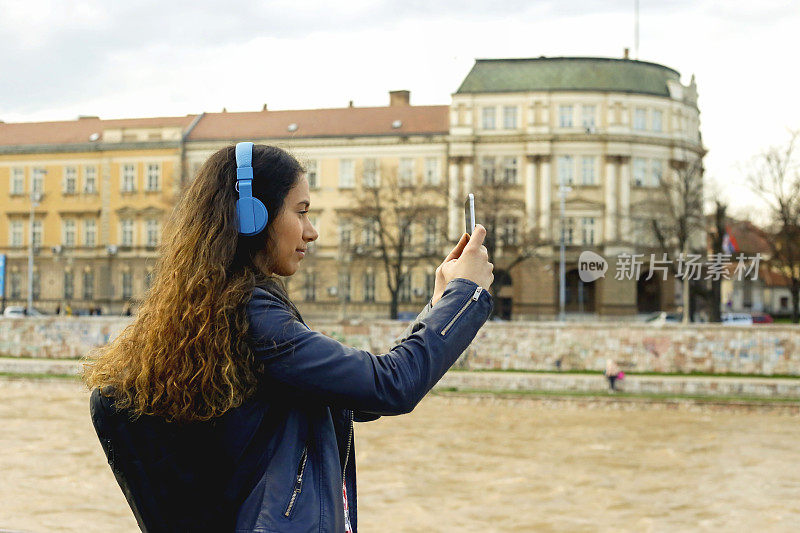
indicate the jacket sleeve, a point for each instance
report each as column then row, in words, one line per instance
column 414, row 324
column 318, row 366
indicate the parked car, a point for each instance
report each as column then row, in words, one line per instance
column 762, row 318
column 737, row 319
column 19, row 311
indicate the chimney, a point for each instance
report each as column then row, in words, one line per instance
column 399, row 98
column 627, row 51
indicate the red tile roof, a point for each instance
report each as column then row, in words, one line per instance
column 346, row 121
column 77, row 131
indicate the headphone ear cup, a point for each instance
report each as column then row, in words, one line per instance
column 253, row 215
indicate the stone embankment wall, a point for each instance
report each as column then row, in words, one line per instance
column 758, row 350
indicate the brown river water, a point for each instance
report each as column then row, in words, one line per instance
column 458, row 464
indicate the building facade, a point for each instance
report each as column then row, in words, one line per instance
column 610, row 129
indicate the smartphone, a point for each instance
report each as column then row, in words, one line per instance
column 469, row 213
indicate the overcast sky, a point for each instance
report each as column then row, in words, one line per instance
column 60, row 59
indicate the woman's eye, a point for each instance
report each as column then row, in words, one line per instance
column 303, row 212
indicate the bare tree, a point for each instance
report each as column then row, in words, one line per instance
column 775, row 177
column 386, row 209
column 674, row 220
column 510, row 237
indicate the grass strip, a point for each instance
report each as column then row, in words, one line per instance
column 618, row 395
column 627, row 373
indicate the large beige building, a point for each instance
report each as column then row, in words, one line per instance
column 608, row 128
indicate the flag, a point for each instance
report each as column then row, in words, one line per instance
column 729, row 244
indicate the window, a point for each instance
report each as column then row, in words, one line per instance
column 69, row 233
column 37, row 232
column 657, row 120
column 89, row 232
column 508, row 231
column 69, row 285
column 639, row 118
column 639, row 171
column 16, row 285
column 406, row 172
column 346, row 173
column 510, row 169
column 153, row 177
column 566, row 171
column 344, row 286
column 70, row 180
column 16, row 233
column 345, row 232
column 432, row 171
column 431, row 234
column 36, row 289
column 657, row 173
column 487, row 118
column 587, row 117
column 510, row 117
column 369, row 287
column 487, row 169
column 148, row 279
column 407, row 230
column 568, row 232
column 151, row 230
column 370, row 232
column 405, row 287
column 565, row 116
column 587, row 230
column 90, row 179
column 17, row 180
column 88, row 285
column 588, row 167
column 430, row 283
column 784, row 302
column 312, row 174
column 38, row 180
column 128, row 178
column 126, row 232
column 127, row 285
column 310, row 287
column 370, row 179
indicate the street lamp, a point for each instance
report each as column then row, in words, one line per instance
column 562, row 276
column 36, row 197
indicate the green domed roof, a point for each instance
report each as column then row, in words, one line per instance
column 568, row 74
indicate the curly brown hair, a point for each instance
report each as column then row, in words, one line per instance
column 186, row 356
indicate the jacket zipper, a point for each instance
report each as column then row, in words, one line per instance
column 474, row 298
column 299, row 482
column 349, row 436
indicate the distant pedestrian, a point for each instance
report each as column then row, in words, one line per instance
column 58, row 309
column 611, row 373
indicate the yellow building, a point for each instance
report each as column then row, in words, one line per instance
column 610, row 129
column 90, row 195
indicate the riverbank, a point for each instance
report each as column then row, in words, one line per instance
column 464, row 462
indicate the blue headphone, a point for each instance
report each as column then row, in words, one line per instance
column 251, row 212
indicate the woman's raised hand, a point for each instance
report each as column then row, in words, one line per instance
column 469, row 260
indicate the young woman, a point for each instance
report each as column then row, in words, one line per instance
column 218, row 408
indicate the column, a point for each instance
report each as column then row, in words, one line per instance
column 625, row 199
column 468, row 166
column 610, row 225
column 453, row 227
column 530, row 191
column 544, row 197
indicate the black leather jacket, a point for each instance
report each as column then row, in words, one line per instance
column 277, row 462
